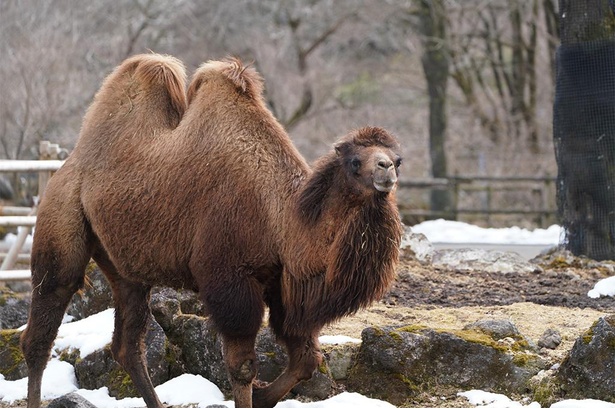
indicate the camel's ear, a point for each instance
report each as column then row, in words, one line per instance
column 341, row 148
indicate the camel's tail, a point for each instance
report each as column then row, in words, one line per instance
column 244, row 78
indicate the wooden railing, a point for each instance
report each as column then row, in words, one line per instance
column 537, row 195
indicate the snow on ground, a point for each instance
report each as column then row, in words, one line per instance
column 446, row 231
column 605, row 287
column 93, row 332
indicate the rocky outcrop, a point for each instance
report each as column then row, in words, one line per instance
column 96, row 296
column 392, row 363
column 199, row 347
column 99, row 369
column 396, row 363
column 483, row 260
column 588, row 370
column 416, row 245
column 12, row 363
column 13, row 309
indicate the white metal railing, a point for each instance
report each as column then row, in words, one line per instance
column 10, row 165
column 25, row 217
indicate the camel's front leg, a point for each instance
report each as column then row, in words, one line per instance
column 304, row 357
column 240, row 361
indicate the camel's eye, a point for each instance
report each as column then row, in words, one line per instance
column 355, row 164
column 398, row 162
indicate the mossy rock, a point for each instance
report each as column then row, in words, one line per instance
column 99, row 369
column 587, row 371
column 545, row 389
column 341, row 359
column 395, row 364
column 12, row 362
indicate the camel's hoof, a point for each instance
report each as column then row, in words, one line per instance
column 260, row 397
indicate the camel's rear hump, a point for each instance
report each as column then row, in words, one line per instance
column 141, row 98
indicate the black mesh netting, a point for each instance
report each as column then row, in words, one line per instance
column 584, row 133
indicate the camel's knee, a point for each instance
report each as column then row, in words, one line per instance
column 244, row 372
column 240, row 358
column 34, row 351
column 118, row 353
column 127, row 352
column 306, row 368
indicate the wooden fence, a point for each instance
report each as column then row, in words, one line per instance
column 484, row 197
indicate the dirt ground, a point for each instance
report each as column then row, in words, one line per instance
column 553, row 297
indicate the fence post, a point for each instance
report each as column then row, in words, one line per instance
column 455, row 181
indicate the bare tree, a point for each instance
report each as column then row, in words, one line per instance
column 494, row 48
column 436, row 62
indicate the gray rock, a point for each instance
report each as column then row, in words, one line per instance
column 550, row 339
column 271, row 356
column 71, row 400
column 164, row 306
column 340, row 359
column 483, row 260
column 20, row 286
column 394, row 364
column 587, row 371
column 200, row 348
column 272, row 360
column 319, row 386
column 496, row 329
column 13, row 310
column 99, row 369
column 95, row 297
column 560, row 257
column 201, row 353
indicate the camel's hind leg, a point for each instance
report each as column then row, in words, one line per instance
column 132, row 315
column 60, row 254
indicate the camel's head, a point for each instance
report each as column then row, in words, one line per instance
column 371, row 158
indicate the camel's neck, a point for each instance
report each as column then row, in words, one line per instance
column 355, row 266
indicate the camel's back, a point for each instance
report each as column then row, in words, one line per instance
column 166, row 201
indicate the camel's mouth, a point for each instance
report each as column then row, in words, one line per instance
column 385, row 186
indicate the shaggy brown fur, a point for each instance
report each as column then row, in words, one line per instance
column 213, row 197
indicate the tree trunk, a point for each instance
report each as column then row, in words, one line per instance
column 436, row 61
column 584, row 127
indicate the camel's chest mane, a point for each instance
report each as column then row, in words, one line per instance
column 360, row 264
